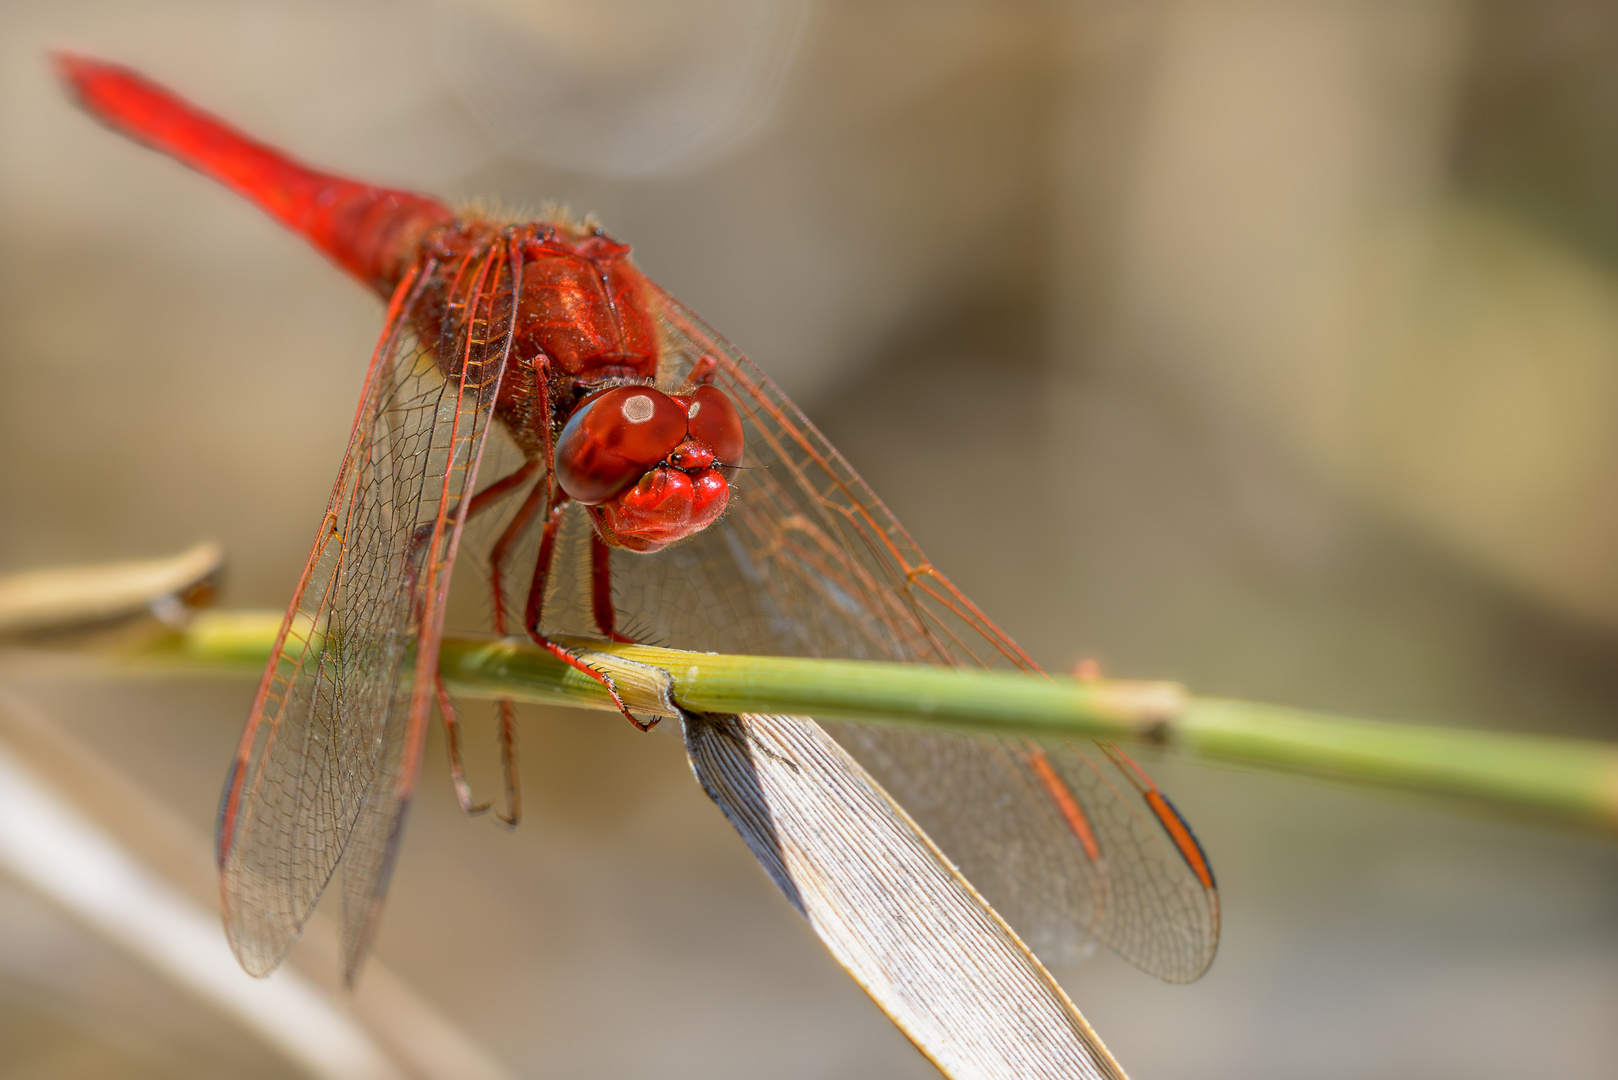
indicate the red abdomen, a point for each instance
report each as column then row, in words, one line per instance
column 372, row 232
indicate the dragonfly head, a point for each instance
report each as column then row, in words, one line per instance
column 647, row 464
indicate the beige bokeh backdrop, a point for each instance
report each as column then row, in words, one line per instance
column 1268, row 345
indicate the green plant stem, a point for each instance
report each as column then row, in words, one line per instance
column 1559, row 780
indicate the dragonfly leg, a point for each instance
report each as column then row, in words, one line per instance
column 497, row 587
column 508, row 714
column 478, row 503
column 446, row 709
column 508, row 764
column 536, row 609
column 452, row 739
column 502, row 549
column 606, row 615
column 703, row 371
column 501, row 488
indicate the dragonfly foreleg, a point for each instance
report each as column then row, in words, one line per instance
column 702, row 372
column 534, row 613
column 606, row 615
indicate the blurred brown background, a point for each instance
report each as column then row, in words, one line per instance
column 1267, row 345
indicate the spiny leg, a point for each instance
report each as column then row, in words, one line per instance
column 446, row 709
column 508, row 713
column 478, row 503
column 497, row 586
column 508, row 763
column 606, row 615
column 502, row 550
column 501, row 488
column 536, row 607
column 702, row 372
column 452, row 740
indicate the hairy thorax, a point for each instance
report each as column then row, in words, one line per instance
column 581, row 320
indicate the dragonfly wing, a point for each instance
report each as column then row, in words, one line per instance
column 331, row 751
column 901, row 919
column 1071, row 839
column 1003, row 811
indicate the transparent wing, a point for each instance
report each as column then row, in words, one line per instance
column 1067, row 841
column 331, row 751
column 902, row 921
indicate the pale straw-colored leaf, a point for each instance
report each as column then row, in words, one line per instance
column 93, row 842
column 87, row 597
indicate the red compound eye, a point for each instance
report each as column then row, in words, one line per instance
column 613, row 438
column 715, row 423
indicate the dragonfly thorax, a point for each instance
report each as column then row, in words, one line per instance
column 583, row 306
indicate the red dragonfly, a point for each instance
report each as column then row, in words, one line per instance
column 626, row 422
